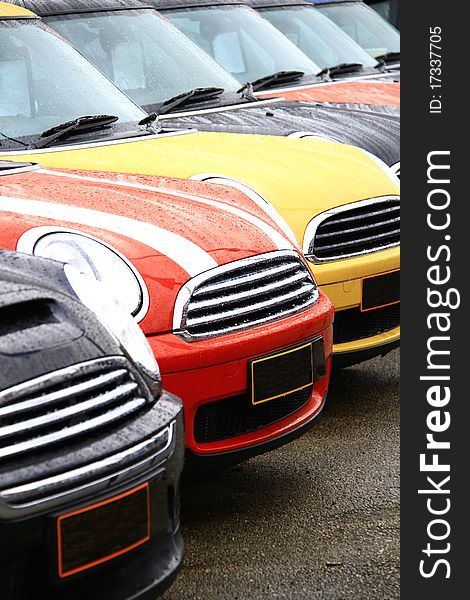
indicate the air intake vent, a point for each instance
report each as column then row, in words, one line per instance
column 69, row 403
column 354, row 229
column 244, row 294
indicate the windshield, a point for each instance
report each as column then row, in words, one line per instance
column 44, row 82
column 383, row 8
column 143, row 53
column 365, row 26
column 319, row 38
column 241, row 41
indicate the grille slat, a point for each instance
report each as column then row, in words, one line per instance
column 67, row 403
column 61, row 395
column 244, row 294
column 364, row 240
column 240, row 280
column 75, row 430
column 31, row 425
column 354, row 229
column 248, row 310
column 248, row 294
column 358, row 229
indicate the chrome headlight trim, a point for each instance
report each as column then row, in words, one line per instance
column 27, row 242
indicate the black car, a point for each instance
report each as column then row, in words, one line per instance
column 91, row 450
column 164, row 72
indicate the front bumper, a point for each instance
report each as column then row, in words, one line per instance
column 28, row 513
column 342, row 282
column 216, row 370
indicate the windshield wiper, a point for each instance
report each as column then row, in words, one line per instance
column 195, row 96
column 265, row 82
column 340, row 69
column 388, row 57
column 67, row 129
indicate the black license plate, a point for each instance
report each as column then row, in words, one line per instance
column 379, row 291
column 97, row 533
column 282, row 373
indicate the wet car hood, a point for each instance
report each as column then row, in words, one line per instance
column 43, row 327
column 375, row 129
column 299, row 177
column 171, row 230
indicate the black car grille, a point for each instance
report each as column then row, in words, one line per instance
column 244, row 294
column 355, row 229
column 352, row 324
column 67, row 404
column 237, row 415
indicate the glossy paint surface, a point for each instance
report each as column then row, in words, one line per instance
column 378, row 93
column 120, row 209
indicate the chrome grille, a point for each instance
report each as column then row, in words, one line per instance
column 243, row 294
column 354, row 229
column 65, row 404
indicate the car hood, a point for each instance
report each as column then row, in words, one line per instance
column 171, row 230
column 299, row 177
column 356, row 92
column 377, row 131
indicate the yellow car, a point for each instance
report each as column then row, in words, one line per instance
column 341, row 203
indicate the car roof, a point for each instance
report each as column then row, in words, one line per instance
column 12, row 11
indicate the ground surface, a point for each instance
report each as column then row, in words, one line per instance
column 317, row 519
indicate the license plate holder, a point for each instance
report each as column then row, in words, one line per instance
column 272, row 376
column 97, row 533
column 379, row 291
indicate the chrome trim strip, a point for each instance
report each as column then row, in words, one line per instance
column 27, row 242
column 312, row 227
column 15, row 170
column 281, row 314
column 14, row 501
column 358, row 229
column 229, row 314
column 80, row 428
column 195, row 305
column 181, row 318
column 128, row 140
column 250, row 278
column 52, row 418
column 86, row 386
column 39, row 383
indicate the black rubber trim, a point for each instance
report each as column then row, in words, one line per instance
column 195, row 461
column 342, row 360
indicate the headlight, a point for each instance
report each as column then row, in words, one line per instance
column 95, row 295
column 94, row 258
column 104, row 280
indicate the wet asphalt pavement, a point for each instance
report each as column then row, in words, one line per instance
column 316, row 519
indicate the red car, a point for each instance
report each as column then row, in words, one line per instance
column 224, row 296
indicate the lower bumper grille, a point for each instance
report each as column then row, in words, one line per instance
column 237, row 415
column 352, row 324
